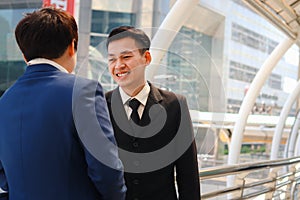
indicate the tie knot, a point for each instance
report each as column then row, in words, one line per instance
column 134, row 104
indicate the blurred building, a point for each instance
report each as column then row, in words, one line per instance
column 212, row 60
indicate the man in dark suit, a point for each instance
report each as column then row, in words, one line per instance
column 56, row 140
column 152, row 127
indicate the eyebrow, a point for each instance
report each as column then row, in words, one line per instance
column 123, row 52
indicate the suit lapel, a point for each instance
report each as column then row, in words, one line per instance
column 120, row 117
column 153, row 98
column 118, row 112
column 154, row 106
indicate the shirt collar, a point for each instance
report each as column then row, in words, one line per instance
column 47, row 61
column 142, row 96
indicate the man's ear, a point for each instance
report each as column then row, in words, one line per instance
column 26, row 61
column 148, row 57
column 71, row 49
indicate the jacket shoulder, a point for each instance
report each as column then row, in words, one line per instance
column 108, row 94
column 166, row 95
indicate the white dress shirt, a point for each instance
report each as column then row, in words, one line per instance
column 142, row 96
column 46, row 61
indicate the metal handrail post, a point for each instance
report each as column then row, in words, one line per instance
column 273, row 175
column 240, row 181
column 290, row 187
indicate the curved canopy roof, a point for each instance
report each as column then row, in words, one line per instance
column 285, row 14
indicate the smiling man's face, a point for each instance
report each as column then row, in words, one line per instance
column 127, row 65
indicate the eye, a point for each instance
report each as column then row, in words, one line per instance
column 127, row 57
column 111, row 60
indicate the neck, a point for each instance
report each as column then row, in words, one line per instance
column 134, row 91
column 64, row 63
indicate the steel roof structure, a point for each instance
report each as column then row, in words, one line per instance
column 284, row 14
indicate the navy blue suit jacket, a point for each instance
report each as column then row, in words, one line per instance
column 50, row 143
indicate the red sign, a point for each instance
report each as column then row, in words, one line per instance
column 67, row 5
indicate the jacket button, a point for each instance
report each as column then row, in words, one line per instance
column 136, row 163
column 135, row 144
column 135, row 181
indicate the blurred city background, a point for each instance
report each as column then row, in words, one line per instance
column 213, row 56
column 213, row 59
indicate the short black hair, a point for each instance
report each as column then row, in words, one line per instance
column 46, row 33
column 138, row 35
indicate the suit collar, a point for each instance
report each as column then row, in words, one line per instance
column 40, row 68
column 154, row 94
column 117, row 108
column 47, row 61
column 142, row 96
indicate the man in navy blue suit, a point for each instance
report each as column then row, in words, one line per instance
column 56, row 138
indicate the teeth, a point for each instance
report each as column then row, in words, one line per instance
column 122, row 74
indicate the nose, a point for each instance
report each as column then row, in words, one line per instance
column 119, row 63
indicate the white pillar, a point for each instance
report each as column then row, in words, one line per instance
column 291, row 142
column 281, row 122
column 167, row 31
column 84, row 27
column 249, row 100
column 297, row 147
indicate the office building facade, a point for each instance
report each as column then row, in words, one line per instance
column 212, row 60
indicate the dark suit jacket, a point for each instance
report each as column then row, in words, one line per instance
column 164, row 145
column 45, row 152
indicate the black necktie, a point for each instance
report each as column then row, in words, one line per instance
column 134, row 105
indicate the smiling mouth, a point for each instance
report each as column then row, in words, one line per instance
column 122, row 74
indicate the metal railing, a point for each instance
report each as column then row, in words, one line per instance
column 273, row 179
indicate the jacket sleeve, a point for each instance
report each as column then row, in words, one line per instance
column 187, row 172
column 96, row 134
column 3, row 184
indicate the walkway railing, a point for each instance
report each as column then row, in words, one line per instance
column 274, row 179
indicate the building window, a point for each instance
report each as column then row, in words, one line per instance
column 241, row 72
column 12, row 65
column 245, row 73
column 233, row 105
column 274, row 81
column 105, row 21
column 190, row 64
column 252, row 39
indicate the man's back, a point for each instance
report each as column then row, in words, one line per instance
column 50, row 139
column 41, row 153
